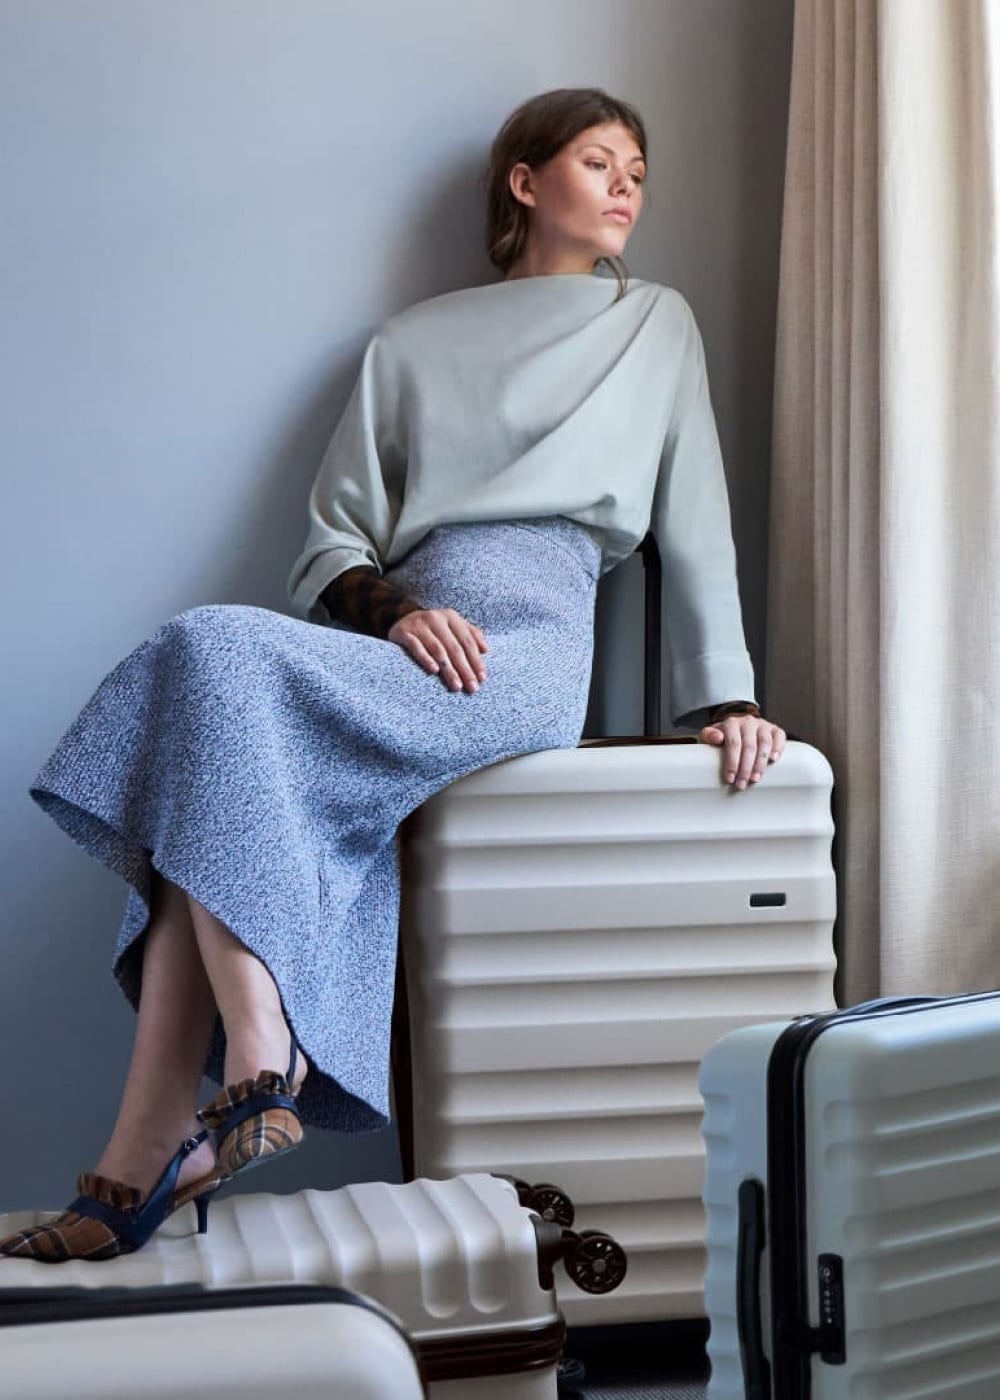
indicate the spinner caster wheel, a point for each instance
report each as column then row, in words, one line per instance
column 595, row 1262
column 570, row 1376
column 551, row 1203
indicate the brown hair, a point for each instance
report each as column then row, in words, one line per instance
column 534, row 133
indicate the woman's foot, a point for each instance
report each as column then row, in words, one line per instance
column 110, row 1217
column 254, row 1118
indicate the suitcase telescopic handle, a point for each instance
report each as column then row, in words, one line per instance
column 749, row 1323
column 653, row 575
column 887, row 1004
column 651, row 656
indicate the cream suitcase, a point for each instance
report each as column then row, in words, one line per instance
column 578, row 928
column 462, row 1264
column 237, row 1344
column 853, row 1196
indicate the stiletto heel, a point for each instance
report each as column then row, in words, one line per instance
column 201, row 1205
column 108, row 1218
column 255, row 1120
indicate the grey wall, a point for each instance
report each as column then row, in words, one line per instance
column 208, row 206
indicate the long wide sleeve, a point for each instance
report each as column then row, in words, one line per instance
column 356, row 498
column 709, row 661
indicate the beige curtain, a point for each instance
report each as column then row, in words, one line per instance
column 884, row 589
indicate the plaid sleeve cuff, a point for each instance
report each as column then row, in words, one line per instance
column 733, row 707
column 364, row 600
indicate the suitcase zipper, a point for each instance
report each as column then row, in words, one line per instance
column 794, row 1342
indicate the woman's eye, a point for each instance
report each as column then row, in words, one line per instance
column 595, row 164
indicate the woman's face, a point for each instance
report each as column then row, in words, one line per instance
column 584, row 201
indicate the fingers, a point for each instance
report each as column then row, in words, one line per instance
column 749, row 746
column 737, row 756
column 455, row 668
column 777, row 744
column 458, row 652
column 444, row 644
column 411, row 643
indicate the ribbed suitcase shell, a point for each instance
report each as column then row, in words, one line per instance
column 578, row 928
column 902, row 1130
column 456, row 1261
column 341, row 1350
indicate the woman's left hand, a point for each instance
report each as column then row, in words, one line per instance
column 749, row 743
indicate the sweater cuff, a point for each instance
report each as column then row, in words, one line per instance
column 695, row 683
column 308, row 583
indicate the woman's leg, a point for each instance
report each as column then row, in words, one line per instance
column 253, row 1118
column 257, row 1034
column 177, row 1011
column 192, row 967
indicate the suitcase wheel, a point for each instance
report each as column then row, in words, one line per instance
column 546, row 1200
column 595, row 1262
column 570, row 1376
column 551, row 1203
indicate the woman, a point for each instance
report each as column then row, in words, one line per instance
column 246, row 772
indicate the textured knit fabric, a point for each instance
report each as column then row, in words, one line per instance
column 537, row 397
column 264, row 764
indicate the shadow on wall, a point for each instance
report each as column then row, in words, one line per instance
column 438, row 249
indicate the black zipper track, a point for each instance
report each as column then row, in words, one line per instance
column 793, row 1338
column 22, row 1306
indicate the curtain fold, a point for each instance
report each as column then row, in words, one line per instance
column 884, row 586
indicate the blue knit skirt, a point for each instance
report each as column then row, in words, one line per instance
column 264, row 765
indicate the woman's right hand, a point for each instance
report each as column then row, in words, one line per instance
column 444, row 644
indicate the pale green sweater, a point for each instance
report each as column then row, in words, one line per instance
column 534, row 397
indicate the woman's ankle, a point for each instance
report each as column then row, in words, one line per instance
column 255, row 1044
column 140, row 1160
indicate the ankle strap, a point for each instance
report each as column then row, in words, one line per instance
column 257, row 1103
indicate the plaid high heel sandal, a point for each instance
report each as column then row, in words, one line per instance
column 256, row 1120
column 108, row 1218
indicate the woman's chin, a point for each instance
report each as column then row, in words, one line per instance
column 612, row 247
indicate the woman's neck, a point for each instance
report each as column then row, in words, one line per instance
column 535, row 262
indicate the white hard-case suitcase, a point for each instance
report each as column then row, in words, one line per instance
column 232, row 1344
column 578, row 928
column 462, row 1264
column 853, row 1205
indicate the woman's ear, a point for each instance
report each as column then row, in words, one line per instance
column 522, row 184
